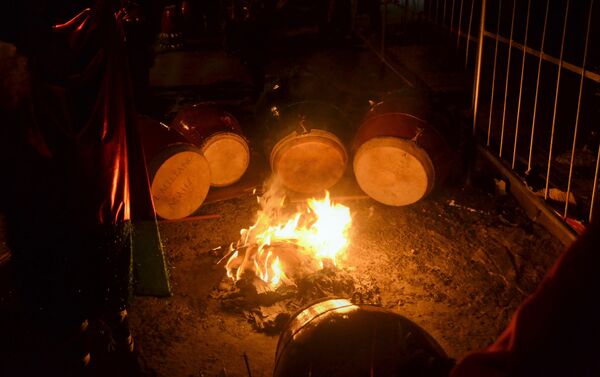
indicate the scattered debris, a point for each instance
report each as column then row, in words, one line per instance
column 268, row 310
column 247, row 365
column 557, row 195
column 576, row 225
column 584, row 158
column 501, row 186
column 452, row 203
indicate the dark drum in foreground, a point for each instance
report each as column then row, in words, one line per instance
column 337, row 338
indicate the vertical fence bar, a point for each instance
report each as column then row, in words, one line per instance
column 478, row 67
column 560, row 64
column 537, row 89
column 416, row 12
column 444, row 14
column 595, row 186
column 430, row 10
column 426, row 8
column 469, row 33
column 459, row 24
column 507, row 80
column 494, row 74
column 585, row 51
column 437, row 7
column 521, row 84
column 452, row 17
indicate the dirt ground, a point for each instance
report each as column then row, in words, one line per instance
column 457, row 263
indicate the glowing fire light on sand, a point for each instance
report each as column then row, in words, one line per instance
column 276, row 246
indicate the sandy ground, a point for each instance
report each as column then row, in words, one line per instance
column 457, row 263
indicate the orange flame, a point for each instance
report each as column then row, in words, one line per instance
column 320, row 231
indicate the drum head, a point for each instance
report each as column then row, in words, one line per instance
column 228, row 156
column 393, row 171
column 180, row 182
column 310, row 162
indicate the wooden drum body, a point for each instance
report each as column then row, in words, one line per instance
column 179, row 172
column 398, row 156
column 303, row 148
column 219, row 137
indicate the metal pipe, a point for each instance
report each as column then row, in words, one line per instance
column 469, row 33
column 521, row 85
column 594, row 188
column 585, row 51
column 562, row 50
column 537, row 90
column 494, row 74
column 459, row 25
column 477, row 80
column 512, row 28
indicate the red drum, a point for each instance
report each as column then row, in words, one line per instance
column 220, row 138
column 179, row 172
column 303, row 147
column 399, row 157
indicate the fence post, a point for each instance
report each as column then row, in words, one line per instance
column 478, row 66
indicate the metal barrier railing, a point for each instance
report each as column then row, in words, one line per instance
column 533, row 90
column 584, row 77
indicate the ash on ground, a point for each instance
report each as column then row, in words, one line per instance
column 268, row 310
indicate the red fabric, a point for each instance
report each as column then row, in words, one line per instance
column 81, row 114
column 555, row 332
column 76, row 147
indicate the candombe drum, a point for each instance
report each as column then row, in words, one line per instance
column 179, row 172
column 303, row 146
column 337, row 338
column 220, row 138
column 171, row 28
column 399, row 157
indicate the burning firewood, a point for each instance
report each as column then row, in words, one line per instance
column 286, row 260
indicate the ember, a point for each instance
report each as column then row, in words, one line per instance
column 281, row 248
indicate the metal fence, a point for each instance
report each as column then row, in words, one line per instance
column 549, row 146
column 536, row 98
